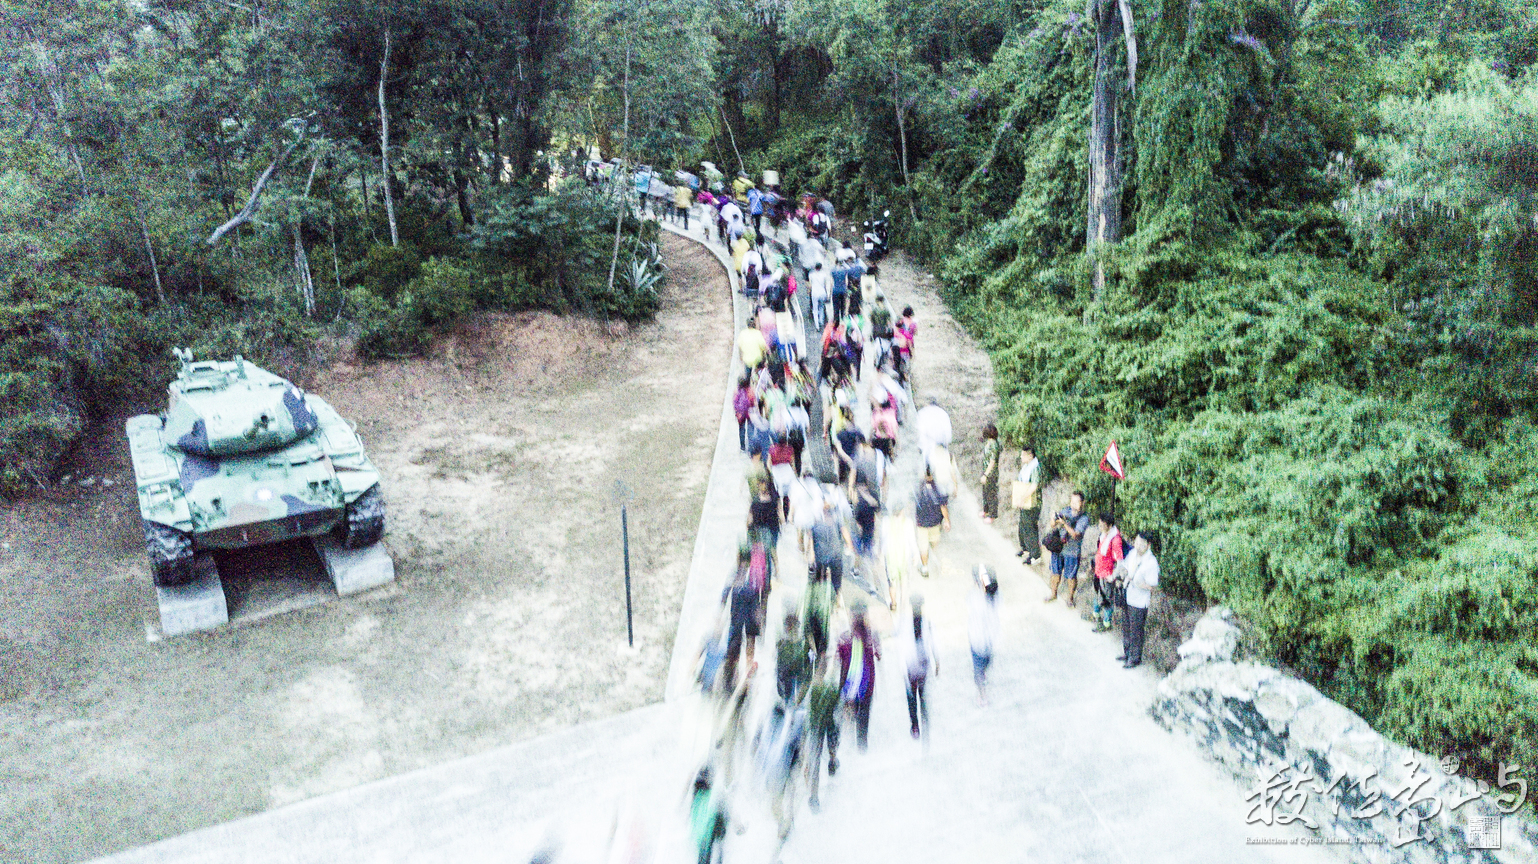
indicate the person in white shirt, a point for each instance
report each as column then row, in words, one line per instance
column 934, row 427
column 1140, row 573
column 1028, row 530
column 754, row 259
column 820, row 283
column 983, row 627
column 731, row 213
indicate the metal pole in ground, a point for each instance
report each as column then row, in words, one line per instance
column 622, row 495
column 624, row 523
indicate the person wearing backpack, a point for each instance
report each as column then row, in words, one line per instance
column 743, row 625
column 858, row 652
column 931, row 516
column 1109, row 552
column 921, row 662
column 750, row 281
column 881, row 328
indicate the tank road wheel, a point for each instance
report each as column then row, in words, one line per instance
column 364, row 523
column 170, row 554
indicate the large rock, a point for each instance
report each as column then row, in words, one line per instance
column 1311, row 758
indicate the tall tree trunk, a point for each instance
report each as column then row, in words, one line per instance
column 777, row 71
column 624, row 200
column 732, row 116
column 384, row 143
column 303, row 278
column 1103, row 223
column 144, row 228
column 902, row 134
column 498, row 167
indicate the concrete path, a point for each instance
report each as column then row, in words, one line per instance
column 1064, row 765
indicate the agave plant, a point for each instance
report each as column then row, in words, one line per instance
column 646, row 271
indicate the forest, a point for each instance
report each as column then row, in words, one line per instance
column 1280, row 250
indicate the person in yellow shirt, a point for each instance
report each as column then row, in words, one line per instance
column 740, row 188
column 683, row 200
column 740, row 248
column 752, row 346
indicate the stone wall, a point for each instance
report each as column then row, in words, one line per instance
column 1305, row 760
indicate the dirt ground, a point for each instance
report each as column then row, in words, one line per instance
column 500, row 454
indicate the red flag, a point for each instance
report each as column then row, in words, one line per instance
column 1111, row 464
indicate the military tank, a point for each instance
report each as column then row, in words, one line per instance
column 243, row 457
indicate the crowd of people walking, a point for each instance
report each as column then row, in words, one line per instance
column 824, row 392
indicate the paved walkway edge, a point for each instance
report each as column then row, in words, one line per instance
column 721, row 516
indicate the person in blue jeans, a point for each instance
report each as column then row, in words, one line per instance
column 1072, row 522
column 840, row 292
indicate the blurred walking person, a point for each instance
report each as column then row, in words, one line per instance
column 921, row 661
column 822, row 726
column 742, row 632
column 683, row 202
column 707, row 818
column 858, row 652
column 982, row 627
column 931, row 516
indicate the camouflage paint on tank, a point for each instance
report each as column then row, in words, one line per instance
column 201, row 471
column 225, row 408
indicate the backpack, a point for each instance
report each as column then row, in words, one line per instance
column 881, row 323
column 750, row 282
column 758, row 567
column 775, row 296
column 856, row 675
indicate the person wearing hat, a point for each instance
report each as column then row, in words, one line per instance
column 858, row 651
column 982, row 627
column 881, row 327
column 921, row 661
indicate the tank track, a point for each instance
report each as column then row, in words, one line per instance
column 364, row 522
column 170, row 554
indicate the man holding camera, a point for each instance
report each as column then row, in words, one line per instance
column 1071, row 522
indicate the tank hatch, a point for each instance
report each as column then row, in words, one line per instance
column 221, row 408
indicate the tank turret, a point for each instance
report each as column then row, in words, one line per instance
column 225, row 408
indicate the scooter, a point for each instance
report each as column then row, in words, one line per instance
column 876, row 236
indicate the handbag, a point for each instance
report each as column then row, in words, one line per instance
column 1119, row 592
column 1022, row 495
column 1052, row 541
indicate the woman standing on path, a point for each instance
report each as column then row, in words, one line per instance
column 1142, row 574
column 1108, row 554
column 1028, row 499
column 990, row 478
